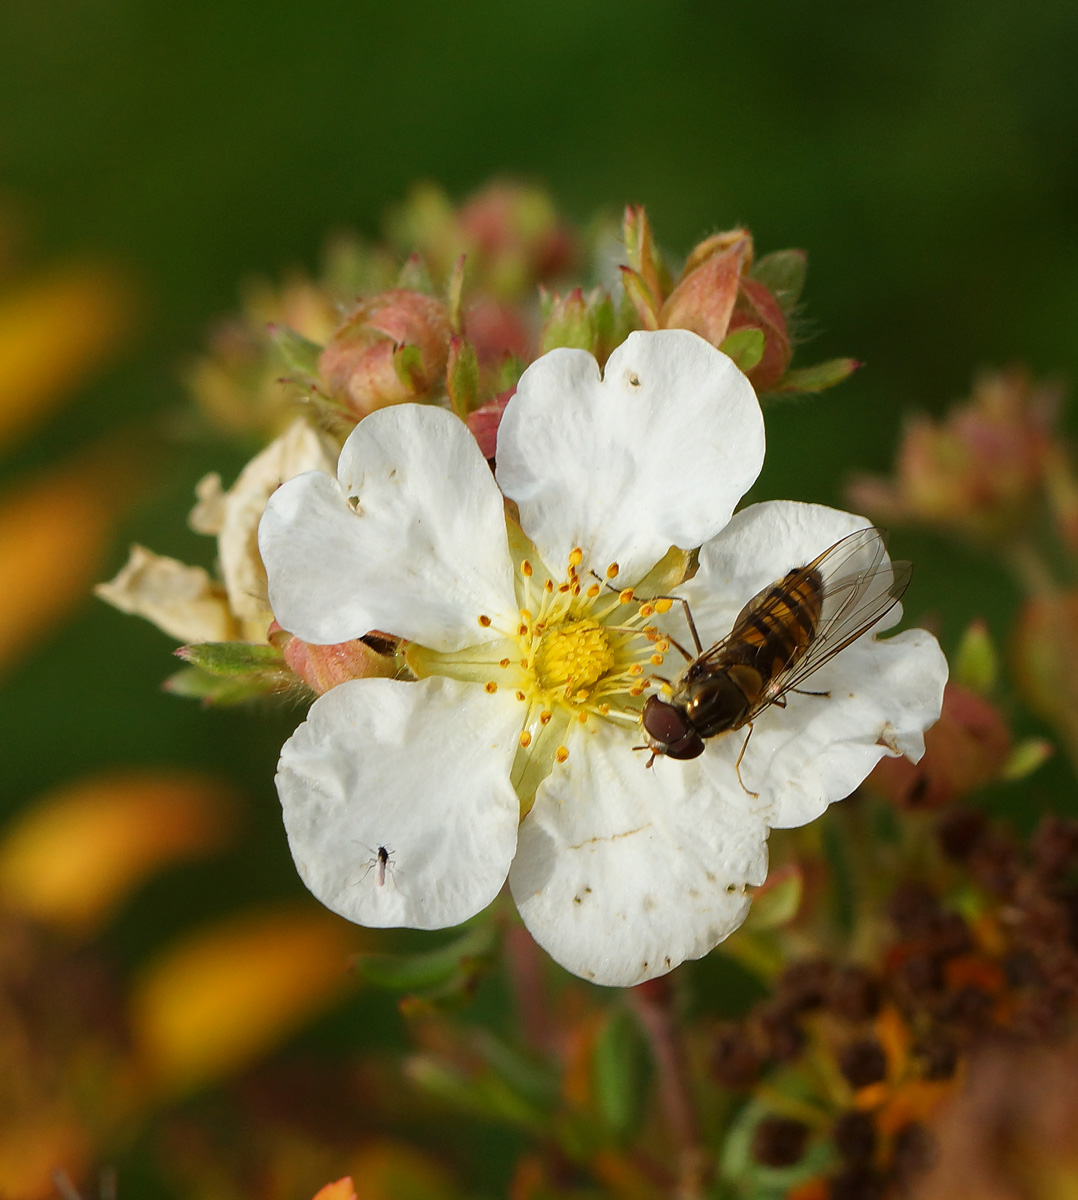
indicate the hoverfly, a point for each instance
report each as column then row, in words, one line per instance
column 784, row 634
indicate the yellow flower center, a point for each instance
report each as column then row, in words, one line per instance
column 580, row 650
column 574, row 656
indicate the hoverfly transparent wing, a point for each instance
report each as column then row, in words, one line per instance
column 838, row 562
column 852, row 605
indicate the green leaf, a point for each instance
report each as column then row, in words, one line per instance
column 818, row 378
column 745, row 347
column 462, row 376
column 783, row 274
column 429, row 971
column 778, row 901
column 621, row 1068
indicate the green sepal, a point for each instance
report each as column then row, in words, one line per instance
column 568, row 323
column 408, row 364
column 745, row 347
column 299, row 353
column 641, row 298
column 195, row 684
column 818, row 378
column 455, row 293
column 976, row 663
column 415, row 277
column 233, row 658
column 1026, row 758
column 507, row 373
column 462, row 376
column 621, row 1072
column 783, row 274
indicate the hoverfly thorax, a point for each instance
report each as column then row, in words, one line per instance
column 785, row 633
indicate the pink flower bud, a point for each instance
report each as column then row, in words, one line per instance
column 324, row 667
column 390, row 349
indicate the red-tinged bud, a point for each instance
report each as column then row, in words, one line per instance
column 497, row 331
column 568, row 323
column 485, row 420
column 390, row 349
column 1045, row 659
column 757, row 308
column 980, row 471
column 462, row 376
column 704, row 299
column 967, row 748
column 324, row 667
column 515, row 237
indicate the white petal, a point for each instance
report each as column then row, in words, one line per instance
column 622, row 872
column 411, row 541
column 419, row 769
column 882, row 694
column 759, row 546
column 655, row 452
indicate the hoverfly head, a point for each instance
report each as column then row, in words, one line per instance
column 667, row 730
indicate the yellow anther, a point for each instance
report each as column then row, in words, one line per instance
column 564, row 587
column 625, row 596
column 604, row 709
column 647, row 610
column 545, row 717
column 525, row 739
column 582, row 717
column 548, row 586
column 593, row 591
column 664, row 605
column 485, row 622
column 636, row 669
column 561, row 754
column 521, row 696
column 656, row 660
column 525, row 614
column 526, row 569
column 612, row 570
column 491, row 687
column 637, row 691
column 576, row 557
column 504, row 662
column 662, row 645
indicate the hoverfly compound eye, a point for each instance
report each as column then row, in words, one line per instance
column 668, row 730
column 664, row 722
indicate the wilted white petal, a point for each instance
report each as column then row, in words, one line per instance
column 300, row 448
column 181, row 600
column 623, row 872
column 654, row 452
column 420, row 770
column 411, row 540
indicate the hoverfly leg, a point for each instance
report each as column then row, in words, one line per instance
column 692, row 628
column 737, row 766
column 802, row 692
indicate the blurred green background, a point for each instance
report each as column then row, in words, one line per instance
column 925, row 155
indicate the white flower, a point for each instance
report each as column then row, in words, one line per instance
column 411, row 802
